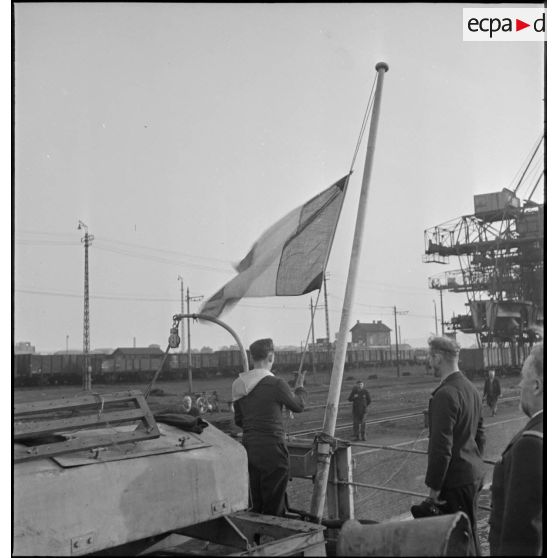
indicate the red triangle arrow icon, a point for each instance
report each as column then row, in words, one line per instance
column 519, row 25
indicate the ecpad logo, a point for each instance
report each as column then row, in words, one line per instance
column 504, row 24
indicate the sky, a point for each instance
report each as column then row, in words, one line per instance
column 178, row 133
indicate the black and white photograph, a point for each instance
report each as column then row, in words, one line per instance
column 279, row 278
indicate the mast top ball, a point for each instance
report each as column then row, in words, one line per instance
column 382, row 66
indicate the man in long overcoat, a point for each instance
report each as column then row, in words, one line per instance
column 517, row 482
column 360, row 399
column 492, row 391
column 456, row 441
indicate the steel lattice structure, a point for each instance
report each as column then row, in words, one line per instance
column 500, row 250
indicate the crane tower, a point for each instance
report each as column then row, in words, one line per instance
column 500, row 251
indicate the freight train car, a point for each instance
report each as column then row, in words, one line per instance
column 140, row 364
column 202, row 364
column 505, row 360
column 52, row 369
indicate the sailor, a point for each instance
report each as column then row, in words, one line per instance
column 258, row 400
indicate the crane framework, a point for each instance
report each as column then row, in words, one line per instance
column 500, row 249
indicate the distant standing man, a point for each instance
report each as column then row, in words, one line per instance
column 492, row 391
column 517, row 482
column 456, row 442
column 258, row 399
column 360, row 399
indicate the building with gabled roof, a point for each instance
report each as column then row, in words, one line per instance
column 375, row 334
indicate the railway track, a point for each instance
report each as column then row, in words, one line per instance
column 402, row 414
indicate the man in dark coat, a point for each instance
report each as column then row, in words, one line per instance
column 258, row 400
column 360, row 399
column 517, row 482
column 492, row 391
column 456, row 442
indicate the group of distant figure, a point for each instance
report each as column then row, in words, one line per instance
column 457, row 438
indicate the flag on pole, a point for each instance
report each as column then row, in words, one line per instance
column 289, row 259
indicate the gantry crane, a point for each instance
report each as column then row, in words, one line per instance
column 500, row 250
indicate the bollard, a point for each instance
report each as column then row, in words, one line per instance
column 444, row 535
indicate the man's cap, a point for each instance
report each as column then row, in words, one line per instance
column 444, row 345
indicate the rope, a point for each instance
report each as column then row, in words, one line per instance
column 152, row 383
column 309, row 332
column 365, row 120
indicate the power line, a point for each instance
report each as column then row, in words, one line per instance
column 116, row 246
column 242, row 304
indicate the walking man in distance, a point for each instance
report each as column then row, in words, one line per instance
column 517, row 482
column 456, row 441
column 360, row 399
column 258, row 399
column 492, row 391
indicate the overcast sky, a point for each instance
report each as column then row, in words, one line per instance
column 179, row 132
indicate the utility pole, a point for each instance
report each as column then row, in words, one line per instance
column 435, row 317
column 188, row 299
column 67, row 339
column 87, row 240
column 312, row 310
column 442, row 312
column 182, row 312
column 395, row 312
column 327, row 315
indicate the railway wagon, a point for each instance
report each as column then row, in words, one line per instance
column 289, row 361
column 130, row 364
column 203, row 364
column 54, row 369
column 139, row 364
column 504, row 360
column 356, row 358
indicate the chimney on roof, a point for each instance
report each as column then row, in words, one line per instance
column 358, row 321
column 379, row 321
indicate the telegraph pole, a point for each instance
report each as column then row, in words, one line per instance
column 395, row 312
column 87, row 240
column 442, row 312
column 435, row 317
column 312, row 310
column 326, row 315
column 182, row 312
column 188, row 299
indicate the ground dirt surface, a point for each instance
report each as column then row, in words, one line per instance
column 405, row 396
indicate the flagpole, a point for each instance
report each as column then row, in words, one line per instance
column 325, row 439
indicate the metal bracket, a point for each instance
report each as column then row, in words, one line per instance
column 221, row 506
column 82, row 544
column 239, row 533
